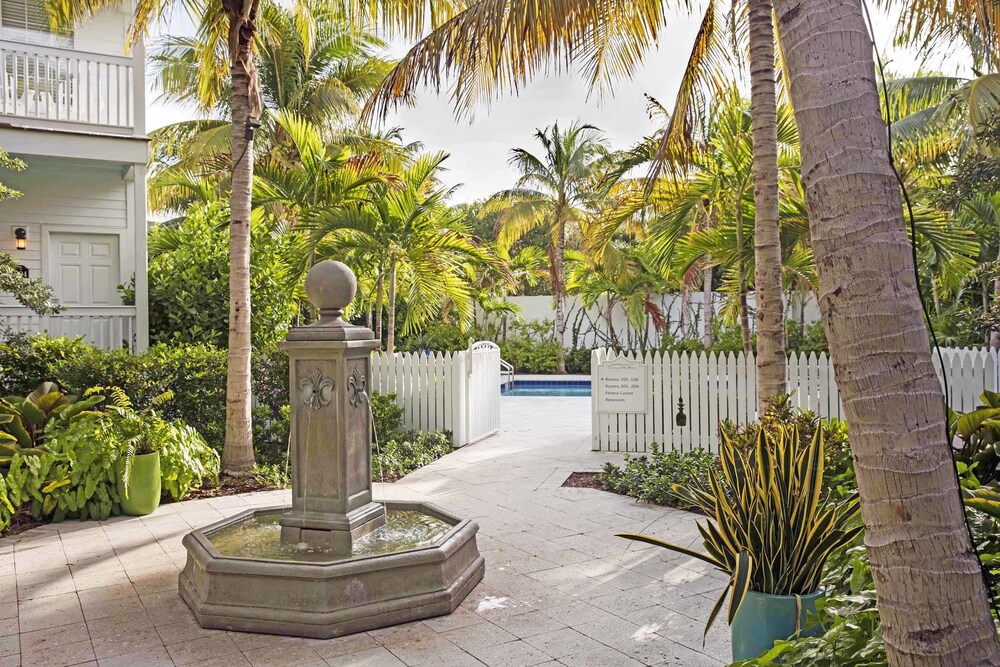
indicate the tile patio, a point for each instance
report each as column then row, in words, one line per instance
column 560, row 589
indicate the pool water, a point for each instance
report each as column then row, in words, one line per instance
column 549, row 388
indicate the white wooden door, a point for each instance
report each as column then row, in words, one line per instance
column 84, row 269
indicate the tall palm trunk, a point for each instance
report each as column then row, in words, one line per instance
column 767, row 233
column 559, row 291
column 743, row 307
column 237, row 453
column 379, row 306
column 994, row 335
column 708, row 306
column 931, row 596
column 390, row 325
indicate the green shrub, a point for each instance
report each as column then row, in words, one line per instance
column 189, row 280
column 437, row 336
column 403, row 453
column 28, row 360
column 387, row 416
column 650, row 478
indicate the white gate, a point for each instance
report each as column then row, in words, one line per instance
column 451, row 391
column 483, row 407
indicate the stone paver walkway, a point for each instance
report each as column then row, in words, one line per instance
column 560, row 589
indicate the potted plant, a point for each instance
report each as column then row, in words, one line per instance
column 137, row 470
column 771, row 531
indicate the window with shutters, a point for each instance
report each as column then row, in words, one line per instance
column 28, row 21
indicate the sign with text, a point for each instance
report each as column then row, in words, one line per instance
column 622, row 386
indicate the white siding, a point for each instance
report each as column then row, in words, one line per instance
column 59, row 195
column 104, row 33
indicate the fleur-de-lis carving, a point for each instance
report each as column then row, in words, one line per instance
column 316, row 390
column 358, row 384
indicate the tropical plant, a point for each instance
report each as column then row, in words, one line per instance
column 978, row 432
column 879, row 342
column 410, row 239
column 771, row 528
column 26, row 422
column 555, row 192
column 652, row 478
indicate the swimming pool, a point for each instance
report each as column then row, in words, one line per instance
column 548, row 388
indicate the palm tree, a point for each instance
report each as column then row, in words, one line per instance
column 495, row 46
column 554, row 192
column 232, row 23
column 931, row 596
column 313, row 63
column 414, row 243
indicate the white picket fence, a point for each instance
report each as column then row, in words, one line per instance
column 720, row 387
column 451, row 391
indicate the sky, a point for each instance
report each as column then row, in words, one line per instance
column 480, row 148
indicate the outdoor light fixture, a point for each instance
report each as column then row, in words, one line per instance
column 20, row 238
column 681, row 419
column 252, row 126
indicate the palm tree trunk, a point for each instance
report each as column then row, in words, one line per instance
column 559, row 289
column 379, row 306
column 237, row 453
column 390, row 334
column 931, row 596
column 708, row 306
column 995, row 335
column 767, row 232
column 743, row 307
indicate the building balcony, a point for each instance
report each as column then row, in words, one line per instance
column 64, row 89
column 106, row 327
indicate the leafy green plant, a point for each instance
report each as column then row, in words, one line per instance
column 771, row 529
column 403, row 453
column 387, row 416
column 979, row 434
column 186, row 460
column 25, row 422
column 651, row 478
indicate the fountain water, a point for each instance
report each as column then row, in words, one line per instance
column 336, row 561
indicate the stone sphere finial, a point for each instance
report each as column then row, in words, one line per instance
column 330, row 287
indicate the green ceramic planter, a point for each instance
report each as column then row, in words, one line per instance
column 764, row 618
column 143, row 486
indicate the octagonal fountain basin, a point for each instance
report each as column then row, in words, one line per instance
column 239, row 576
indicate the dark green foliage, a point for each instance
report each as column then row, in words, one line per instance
column 806, row 338
column 189, row 280
column 387, row 416
column 403, row 453
column 650, row 478
column 438, row 337
column 27, row 361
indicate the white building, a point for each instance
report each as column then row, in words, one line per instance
column 72, row 107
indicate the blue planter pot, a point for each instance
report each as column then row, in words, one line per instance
column 764, row 618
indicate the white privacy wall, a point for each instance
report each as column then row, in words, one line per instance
column 539, row 308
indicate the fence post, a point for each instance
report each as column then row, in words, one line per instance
column 595, row 417
column 460, row 399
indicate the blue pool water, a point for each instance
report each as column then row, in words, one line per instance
column 549, row 388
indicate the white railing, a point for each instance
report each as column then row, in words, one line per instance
column 715, row 387
column 451, row 391
column 104, row 327
column 65, row 86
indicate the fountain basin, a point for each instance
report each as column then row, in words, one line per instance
column 414, row 569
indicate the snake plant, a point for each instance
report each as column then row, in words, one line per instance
column 770, row 529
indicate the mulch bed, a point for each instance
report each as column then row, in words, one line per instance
column 585, row 480
column 230, row 486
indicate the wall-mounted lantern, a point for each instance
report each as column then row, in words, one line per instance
column 681, row 419
column 20, row 238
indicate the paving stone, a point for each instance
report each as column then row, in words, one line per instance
column 199, row 650
column 530, row 624
column 566, row 641
column 290, row 653
column 512, row 654
column 332, row 648
column 373, row 657
column 156, row 657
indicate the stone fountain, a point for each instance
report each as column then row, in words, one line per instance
column 335, row 562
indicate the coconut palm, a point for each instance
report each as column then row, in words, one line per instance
column 871, row 310
column 555, row 192
column 231, row 27
column 498, row 45
column 312, row 63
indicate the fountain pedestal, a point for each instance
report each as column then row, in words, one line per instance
column 330, row 436
column 339, row 565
